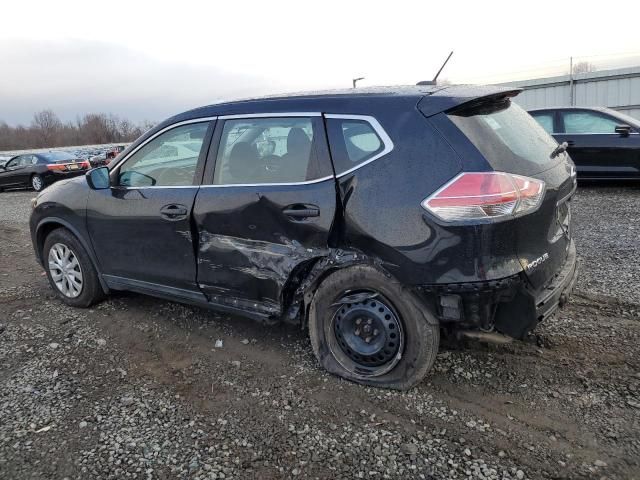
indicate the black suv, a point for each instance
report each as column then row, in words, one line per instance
column 373, row 218
column 603, row 143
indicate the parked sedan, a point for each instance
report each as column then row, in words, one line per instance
column 371, row 218
column 603, row 143
column 4, row 160
column 37, row 170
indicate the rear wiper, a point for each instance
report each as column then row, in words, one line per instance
column 559, row 149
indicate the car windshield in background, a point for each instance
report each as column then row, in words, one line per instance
column 57, row 157
column 504, row 133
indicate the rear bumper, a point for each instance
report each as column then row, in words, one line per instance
column 510, row 306
column 557, row 293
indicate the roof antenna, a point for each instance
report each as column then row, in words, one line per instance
column 435, row 79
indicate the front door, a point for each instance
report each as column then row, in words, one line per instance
column 141, row 226
column 15, row 172
column 596, row 149
column 267, row 211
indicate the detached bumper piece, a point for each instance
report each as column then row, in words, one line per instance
column 510, row 305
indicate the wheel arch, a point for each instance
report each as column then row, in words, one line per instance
column 48, row 225
column 303, row 283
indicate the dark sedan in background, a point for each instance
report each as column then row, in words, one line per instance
column 37, row 170
column 603, row 143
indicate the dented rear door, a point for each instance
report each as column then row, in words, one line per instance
column 267, row 211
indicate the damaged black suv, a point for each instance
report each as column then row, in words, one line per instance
column 374, row 218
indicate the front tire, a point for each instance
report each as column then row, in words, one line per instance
column 70, row 271
column 37, row 183
column 366, row 327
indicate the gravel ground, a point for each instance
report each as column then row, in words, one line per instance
column 136, row 387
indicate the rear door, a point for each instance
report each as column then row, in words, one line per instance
column 594, row 146
column 267, row 210
column 140, row 227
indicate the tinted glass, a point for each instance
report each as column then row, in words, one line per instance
column 545, row 120
column 53, row 157
column 168, row 160
column 588, row 122
column 266, row 150
column 352, row 142
column 506, row 135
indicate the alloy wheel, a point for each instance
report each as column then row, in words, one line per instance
column 65, row 270
column 37, row 183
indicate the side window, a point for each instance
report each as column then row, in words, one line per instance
column 354, row 141
column 588, row 122
column 268, row 150
column 545, row 119
column 170, row 159
column 13, row 163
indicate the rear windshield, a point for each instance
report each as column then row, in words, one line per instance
column 57, row 156
column 506, row 135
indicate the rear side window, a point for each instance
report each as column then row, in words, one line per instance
column 354, row 141
column 545, row 120
column 588, row 122
column 269, row 151
column 506, row 135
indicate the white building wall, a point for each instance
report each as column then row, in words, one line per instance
column 618, row 89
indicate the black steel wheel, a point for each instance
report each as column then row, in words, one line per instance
column 367, row 327
column 367, row 332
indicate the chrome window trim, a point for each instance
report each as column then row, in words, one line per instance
column 283, row 184
column 593, row 133
column 158, row 133
column 372, row 121
column 269, row 115
column 120, row 187
column 384, row 137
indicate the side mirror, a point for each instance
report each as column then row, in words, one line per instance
column 98, row 178
column 623, row 130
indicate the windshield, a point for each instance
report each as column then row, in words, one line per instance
column 57, row 156
column 506, row 135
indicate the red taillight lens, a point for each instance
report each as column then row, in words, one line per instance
column 56, row 166
column 85, row 164
column 485, row 195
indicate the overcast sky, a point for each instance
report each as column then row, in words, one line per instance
column 149, row 60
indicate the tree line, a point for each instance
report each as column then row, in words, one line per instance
column 47, row 130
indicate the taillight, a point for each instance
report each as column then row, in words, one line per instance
column 85, row 164
column 485, row 195
column 56, row 166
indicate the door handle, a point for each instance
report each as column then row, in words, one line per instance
column 173, row 212
column 300, row 211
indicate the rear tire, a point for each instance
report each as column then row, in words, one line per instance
column 70, row 271
column 37, row 183
column 397, row 350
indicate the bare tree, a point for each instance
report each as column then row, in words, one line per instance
column 46, row 130
column 46, row 125
column 584, row 67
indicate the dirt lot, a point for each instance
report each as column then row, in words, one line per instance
column 135, row 387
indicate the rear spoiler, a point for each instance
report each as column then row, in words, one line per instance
column 463, row 96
